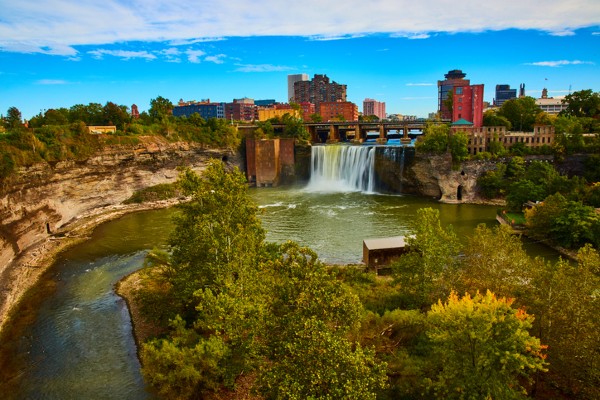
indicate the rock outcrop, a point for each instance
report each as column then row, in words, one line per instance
column 432, row 176
column 44, row 198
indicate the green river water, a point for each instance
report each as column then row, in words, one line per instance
column 79, row 345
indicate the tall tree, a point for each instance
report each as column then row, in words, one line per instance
column 583, row 103
column 429, row 270
column 521, row 113
column 160, row 108
column 481, row 348
column 13, row 118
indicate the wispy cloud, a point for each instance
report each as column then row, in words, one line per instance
column 60, row 25
column 194, row 55
column 559, row 63
column 420, row 84
column 262, row 68
column 51, row 82
column 124, row 54
column 217, row 59
column 412, row 35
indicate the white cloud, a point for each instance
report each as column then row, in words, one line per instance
column 194, row 55
column 217, row 59
column 61, row 25
column 419, row 84
column 51, row 82
column 124, row 54
column 262, row 68
column 559, row 63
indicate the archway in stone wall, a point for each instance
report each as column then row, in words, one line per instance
column 459, row 193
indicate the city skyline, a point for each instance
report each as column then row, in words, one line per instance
column 60, row 54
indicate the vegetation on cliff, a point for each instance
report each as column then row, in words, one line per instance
column 236, row 306
column 62, row 134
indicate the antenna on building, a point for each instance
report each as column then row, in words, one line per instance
column 569, row 88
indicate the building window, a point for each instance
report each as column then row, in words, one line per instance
column 459, row 90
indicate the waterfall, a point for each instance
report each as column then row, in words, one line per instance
column 342, row 168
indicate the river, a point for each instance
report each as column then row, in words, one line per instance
column 77, row 341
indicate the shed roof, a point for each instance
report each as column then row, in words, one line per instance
column 385, row 243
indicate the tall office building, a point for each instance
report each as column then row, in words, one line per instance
column 318, row 90
column 374, row 107
column 293, row 79
column 454, row 78
column 504, row 93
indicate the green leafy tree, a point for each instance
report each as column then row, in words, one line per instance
column 481, row 348
column 185, row 365
column 582, row 103
column 492, row 184
column 458, row 145
column 434, row 139
column 492, row 118
column 160, row 108
column 429, row 269
column 567, row 306
column 310, row 354
column 13, row 118
column 59, row 116
column 495, row 260
column 218, row 235
column 496, row 147
column 522, row 191
column 114, row 114
column 521, row 113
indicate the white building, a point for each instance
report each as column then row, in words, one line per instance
column 293, row 79
column 551, row 105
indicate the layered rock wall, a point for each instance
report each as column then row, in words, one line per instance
column 44, row 198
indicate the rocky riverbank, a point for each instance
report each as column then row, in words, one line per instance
column 47, row 207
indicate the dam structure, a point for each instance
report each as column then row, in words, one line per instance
column 340, row 168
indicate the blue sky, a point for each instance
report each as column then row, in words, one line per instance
column 58, row 53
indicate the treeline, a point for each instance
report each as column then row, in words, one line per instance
column 452, row 321
column 559, row 209
column 62, row 134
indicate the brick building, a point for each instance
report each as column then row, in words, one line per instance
column 241, row 110
column 338, row 110
column 318, row 90
column 454, row 78
column 374, row 107
column 467, row 104
column 480, row 137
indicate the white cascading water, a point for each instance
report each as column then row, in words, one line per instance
column 342, row 168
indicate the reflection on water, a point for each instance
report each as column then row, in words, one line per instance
column 80, row 345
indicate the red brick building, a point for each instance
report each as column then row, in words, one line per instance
column 241, row 110
column 374, row 107
column 453, row 78
column 467, row 104
column 338, row 110
column 318, row 90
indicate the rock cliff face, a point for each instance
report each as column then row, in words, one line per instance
column 432, row 176
column 45, row 197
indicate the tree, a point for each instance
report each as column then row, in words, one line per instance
column 13, row 118
column 160, row 108
column 495, row 260
column 521, row 113
column 310, row 354
column 218, row 235
column 522, row 191
column 428, row 270
column 114, row 114
column 583, row 103
column 492, row 118
column 458, row 145
column 59, row 116
column 481, row 348
column 567, row 306
column 434, row 139
column 493, row 183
